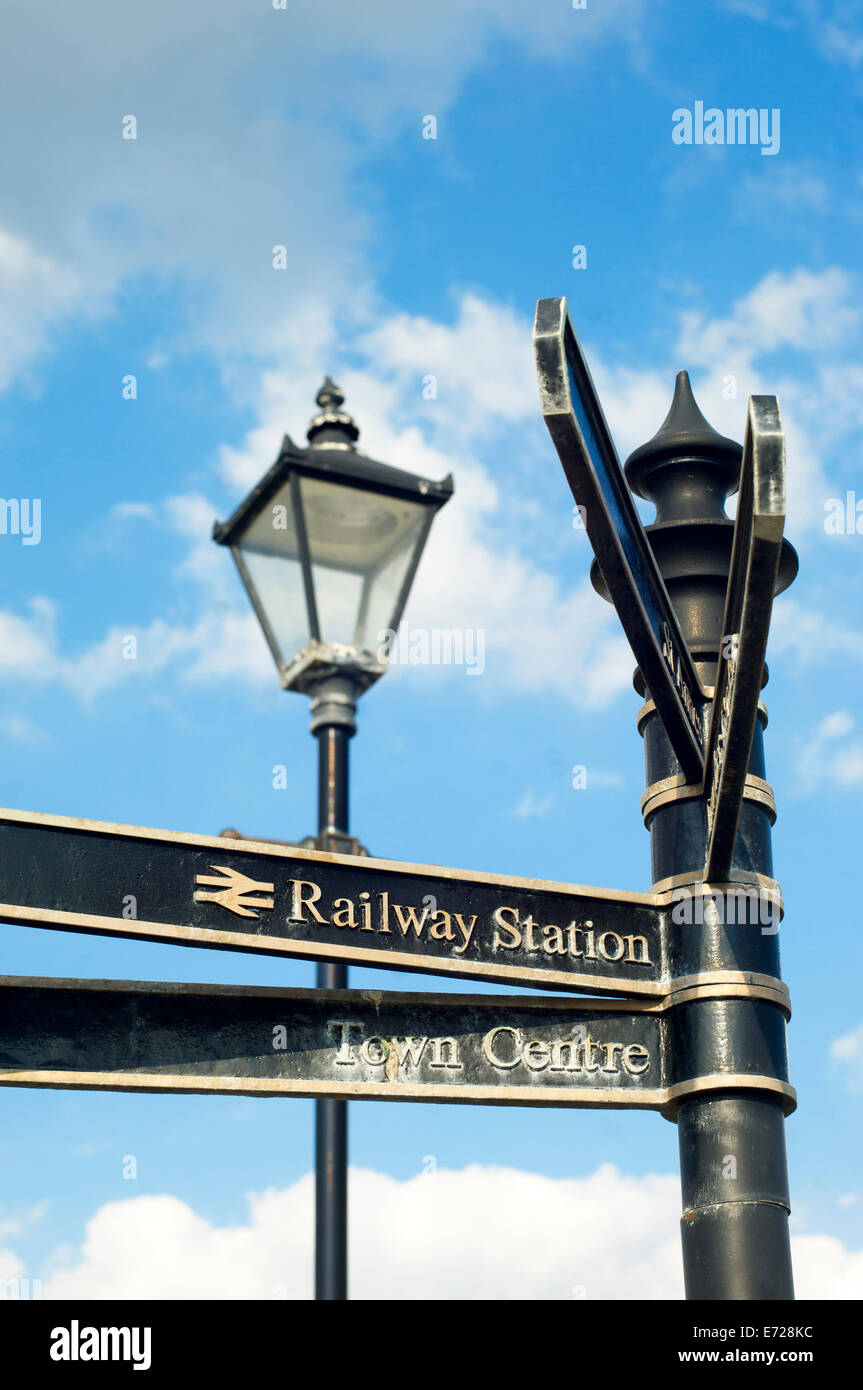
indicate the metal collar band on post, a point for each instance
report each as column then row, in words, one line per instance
column 334, row 703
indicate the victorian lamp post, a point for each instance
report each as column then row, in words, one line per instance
column 327, row 545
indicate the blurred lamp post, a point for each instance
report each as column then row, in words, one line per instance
column 327, row 545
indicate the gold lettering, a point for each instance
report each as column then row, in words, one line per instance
column 488, row 1047
column 644, row 957
column 618, row 944
column 466, row 929
column 501, row 925
column 407, row 918
column 529, row 942
column 441, row 926
column 633, row 1054
column 345, row 912
column 451, row 1045
column 557, row 1062
column 345, row 1055
column 409, row 1050
column 536, row 1054
column 554, row 944
column 375, row 1045
column 299, row 901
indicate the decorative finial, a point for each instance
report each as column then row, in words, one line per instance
column 684, row 445
column 330, row 395
column 333, row 428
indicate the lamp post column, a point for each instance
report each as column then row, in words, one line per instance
column 333, row 709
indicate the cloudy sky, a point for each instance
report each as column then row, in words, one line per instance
column 406, row 258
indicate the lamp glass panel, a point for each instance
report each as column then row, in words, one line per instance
column 384, row 587
column 360, row 543
column 270, row 553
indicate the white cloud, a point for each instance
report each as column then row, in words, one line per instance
column 832, row 24
column 496, row 550
column 480, row 1233
column 449, row 1235
column 841, row 44
column 230, row 160
column 780, row 188
column 800, row 309
column 482, row 364
column 835, row 725
column 825, row 1269
column 822, row 760
column 19, row 729
column 811, row 636
column 849, row 1050
column 529, row 806
column 11, row 1267
column 15, row 1225
column 28, row 644
column 37, row 292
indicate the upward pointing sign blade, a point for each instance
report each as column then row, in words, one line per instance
column 575, row 421
column 755, row 556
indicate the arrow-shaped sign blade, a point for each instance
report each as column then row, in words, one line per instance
column 755, row 556
column 576, row 423
column 133, row 1035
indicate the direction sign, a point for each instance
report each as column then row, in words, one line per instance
column 203, row 890
column 576, row 423
column 755, row 556
column 485, row 1049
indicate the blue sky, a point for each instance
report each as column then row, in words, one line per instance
column 406, row 257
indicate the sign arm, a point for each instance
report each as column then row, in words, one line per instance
column 755, row 557
column 578, row 428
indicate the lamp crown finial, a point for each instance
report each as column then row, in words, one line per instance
column 332, row 428
column 330, row 396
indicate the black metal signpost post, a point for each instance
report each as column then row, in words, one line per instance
column 732, row 1148
column 697, row 1030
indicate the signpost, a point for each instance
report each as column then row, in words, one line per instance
column 697, row 1031
column 755, row 558
column 735, row 1219
column 576, row 423
column 358, row 1044
column 201, row 890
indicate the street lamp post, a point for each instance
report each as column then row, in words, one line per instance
column 327, row 545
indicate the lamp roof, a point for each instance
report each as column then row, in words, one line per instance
column 332, row 456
